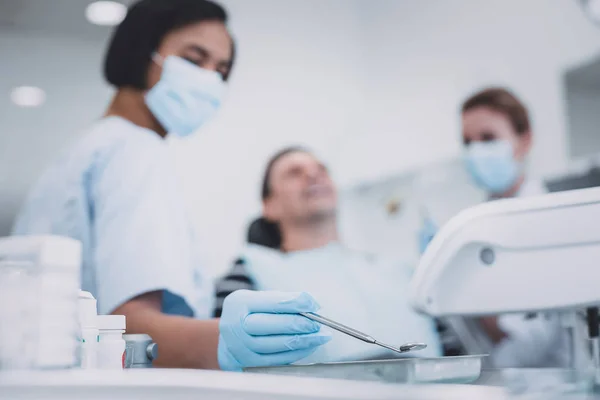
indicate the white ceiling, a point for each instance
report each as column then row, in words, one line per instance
column 52, row 17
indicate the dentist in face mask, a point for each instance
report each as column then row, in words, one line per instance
column 115, row 191
column 497, row 137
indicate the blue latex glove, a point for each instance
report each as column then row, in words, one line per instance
column 426, row 234
column 260, row 329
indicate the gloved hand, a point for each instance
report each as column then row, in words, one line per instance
column 259, row 329
column 426, row 234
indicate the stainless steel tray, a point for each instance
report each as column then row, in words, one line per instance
column 463, row 369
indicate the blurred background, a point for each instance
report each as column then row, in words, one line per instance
column 373, row 86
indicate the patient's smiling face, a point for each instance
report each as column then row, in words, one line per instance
column 301, row 189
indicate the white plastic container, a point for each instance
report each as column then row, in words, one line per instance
column 39, row 283
column 111, row 347
column 88, row 313
column 18, row 315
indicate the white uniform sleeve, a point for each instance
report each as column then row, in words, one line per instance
column 532, row 343
column 141, row 235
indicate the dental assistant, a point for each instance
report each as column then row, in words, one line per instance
column 115, row 191
column 497, row 136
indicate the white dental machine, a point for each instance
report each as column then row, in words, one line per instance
column 538, row 254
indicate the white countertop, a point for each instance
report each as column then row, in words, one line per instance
column 150, row 384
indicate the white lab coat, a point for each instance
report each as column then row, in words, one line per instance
column 533, row 341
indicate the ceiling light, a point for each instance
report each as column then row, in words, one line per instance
column 28, row 96
column 105, row 13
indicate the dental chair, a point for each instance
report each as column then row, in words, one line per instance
column 260, row 232
column 264, row 233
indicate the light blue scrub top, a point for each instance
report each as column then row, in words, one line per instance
column 115, row 190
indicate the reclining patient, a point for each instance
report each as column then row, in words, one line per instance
column 298, row 250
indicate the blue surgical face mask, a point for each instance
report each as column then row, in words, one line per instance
column 186, row 97
column 492, row 165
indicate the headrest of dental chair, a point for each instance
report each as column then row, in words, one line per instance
column 264, row 233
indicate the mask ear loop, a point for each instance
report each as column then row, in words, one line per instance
column 158, row 59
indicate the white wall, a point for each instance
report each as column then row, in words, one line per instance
column 425, row 57
column 436, row 192
column 69, row 71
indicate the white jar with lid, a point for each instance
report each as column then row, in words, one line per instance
column 111, row 345
column 89, row 331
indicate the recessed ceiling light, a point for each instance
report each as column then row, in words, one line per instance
column 28, row 96
column 105, row 13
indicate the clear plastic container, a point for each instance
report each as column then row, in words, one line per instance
column 38, row 316
column 19, row 291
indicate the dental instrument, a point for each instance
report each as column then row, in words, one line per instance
column 362, row 336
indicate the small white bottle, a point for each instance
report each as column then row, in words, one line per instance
column 89, row 331
column 111, row 347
